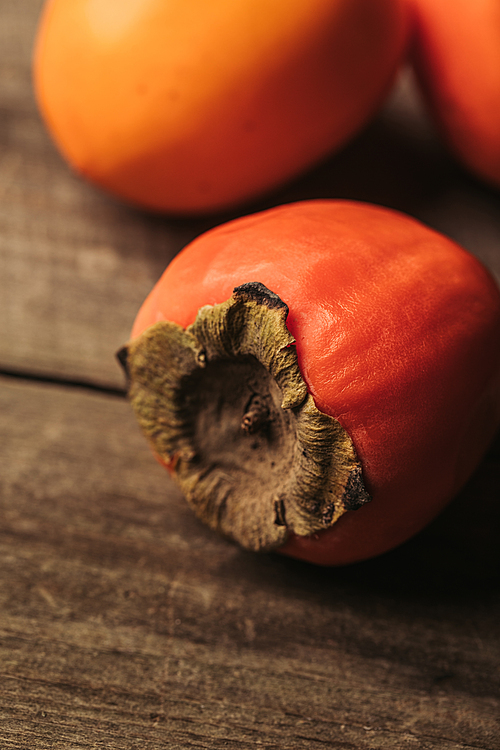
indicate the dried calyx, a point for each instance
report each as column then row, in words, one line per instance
column 224, row 405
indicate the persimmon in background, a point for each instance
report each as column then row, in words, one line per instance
column 391, row 328
column 457, row 61
column 191, row 106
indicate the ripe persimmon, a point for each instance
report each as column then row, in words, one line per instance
column 291, row 365
column 457, row 62
column 192, row 106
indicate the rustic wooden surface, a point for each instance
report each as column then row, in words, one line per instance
column 123, row 623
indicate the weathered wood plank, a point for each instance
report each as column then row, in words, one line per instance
column 74, row 265
column 125, row 624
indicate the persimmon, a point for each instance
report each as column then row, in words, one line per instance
column 320, row 378
column 457, row 62
column 192, row 106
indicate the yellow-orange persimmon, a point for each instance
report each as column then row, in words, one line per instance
column 195, row 105
column 457, row 60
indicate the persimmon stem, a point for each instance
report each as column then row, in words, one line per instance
column 257, row 415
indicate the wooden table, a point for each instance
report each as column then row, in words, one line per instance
column 125, row 624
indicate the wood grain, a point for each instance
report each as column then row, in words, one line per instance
column 75, row 265
column 124, row 623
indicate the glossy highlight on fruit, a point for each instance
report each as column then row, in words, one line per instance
column 191, row 106
column 339, row 319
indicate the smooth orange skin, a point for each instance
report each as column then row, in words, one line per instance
column 398, row 336
column 457, row 61
column 191, row 106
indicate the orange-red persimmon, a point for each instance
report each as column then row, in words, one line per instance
column 190, row 106
column 457, row 60
column 321, row 377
